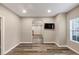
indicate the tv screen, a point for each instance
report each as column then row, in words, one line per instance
column 49, row 26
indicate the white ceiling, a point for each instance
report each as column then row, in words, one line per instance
column 39, row 9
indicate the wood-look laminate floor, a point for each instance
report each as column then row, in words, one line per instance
column 40, row 49
column 0, row 51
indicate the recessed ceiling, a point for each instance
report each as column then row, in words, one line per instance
column 39, row 9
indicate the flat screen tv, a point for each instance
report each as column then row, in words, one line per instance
column 49, row 26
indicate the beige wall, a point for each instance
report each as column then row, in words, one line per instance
column 11, row 28
column 61, row 29
column 72, row 14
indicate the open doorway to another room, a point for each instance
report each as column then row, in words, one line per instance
column 37, row 34
column 37, row 30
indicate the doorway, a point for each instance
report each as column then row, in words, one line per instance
column 37, row 36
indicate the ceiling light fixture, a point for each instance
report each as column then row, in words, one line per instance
column 24, row 11
column 49, row 11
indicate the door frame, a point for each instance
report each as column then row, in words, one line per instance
column 2, row 35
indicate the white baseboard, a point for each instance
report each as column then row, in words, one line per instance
column 49, row 42
column 11, row 48
column 44, row 42
column 60, row 45
column 32, row 42
column 25, row 42
column 73, row 50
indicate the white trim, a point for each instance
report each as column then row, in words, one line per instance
column 73, row 50
column 48, row 42
column 11, row 48
column 63, row 45
column 25, row 42
column 74, row 41
column 60, row 45
column 45, row 42
column 2, row 34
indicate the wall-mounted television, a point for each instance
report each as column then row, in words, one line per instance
column 49, row 26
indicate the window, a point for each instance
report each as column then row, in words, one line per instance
column 74, row 30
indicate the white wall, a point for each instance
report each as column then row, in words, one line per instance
column 26, row 30
column 61, row 29
column 48, row 34
column 11, row 28
column 70, row 15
